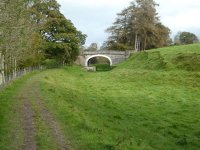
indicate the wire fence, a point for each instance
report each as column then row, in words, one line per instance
column 6, row 79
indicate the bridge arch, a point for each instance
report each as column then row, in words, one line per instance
column 98, row 55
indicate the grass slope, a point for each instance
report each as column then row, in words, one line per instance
column 147, row 102
column 151, row 101
column 126, row 109
column 186, row 57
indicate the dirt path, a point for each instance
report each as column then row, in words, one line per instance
column 32, row 108
column 28, row 126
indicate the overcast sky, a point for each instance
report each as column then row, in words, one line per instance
column 92, row 17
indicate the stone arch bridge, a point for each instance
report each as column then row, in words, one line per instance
column 114, row 57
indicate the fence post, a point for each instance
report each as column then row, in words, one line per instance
column 1, row 76
column 15, row 69
column 2, row 70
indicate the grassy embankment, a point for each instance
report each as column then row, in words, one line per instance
column 150, row 101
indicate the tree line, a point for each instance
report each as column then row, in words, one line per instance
column 34, row 30
column 138, row 27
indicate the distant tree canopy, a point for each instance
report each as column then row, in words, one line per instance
column 33, row 30
column 92, row 47
column 185, row 38
column 138, row 27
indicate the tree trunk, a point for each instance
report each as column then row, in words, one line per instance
column 145, row 42
column 2, row 69
column 137, row 43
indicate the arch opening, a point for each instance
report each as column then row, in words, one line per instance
column 96, row 56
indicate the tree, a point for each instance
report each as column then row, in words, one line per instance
column 92, row 47
column 62, row 39
column 16, row 28
column 32, row 30
column 185, row 38
column 139, row 27
column 121, row 32
column 115, row 46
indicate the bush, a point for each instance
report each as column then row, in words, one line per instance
column 103, row 67
column 51, row 63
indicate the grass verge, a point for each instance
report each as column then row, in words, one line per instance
column 11, row 134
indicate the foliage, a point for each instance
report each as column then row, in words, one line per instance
column 99, row 62
column 92, row 47
column 50, row 63
column 103, row 67
column 139, row 27
column 16, row 34
column 31, row 31
column 185, row 38
column 110, row 45
column 62, row 39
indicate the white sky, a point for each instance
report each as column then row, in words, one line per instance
column 92, row 17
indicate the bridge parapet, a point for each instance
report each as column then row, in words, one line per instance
column 114, row 57
column 108, row 52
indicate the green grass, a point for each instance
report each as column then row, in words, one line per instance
column 11, row 130
column 125, row 109
column 185, row 57
column 151, row 101
column 171, row 53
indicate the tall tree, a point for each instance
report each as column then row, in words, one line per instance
column 139, row 27
column 121, row 32
column 62, row 39
column 16, row 28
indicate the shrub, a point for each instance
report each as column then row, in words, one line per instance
column 103, row 67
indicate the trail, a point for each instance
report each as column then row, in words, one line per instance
column 33, row 107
